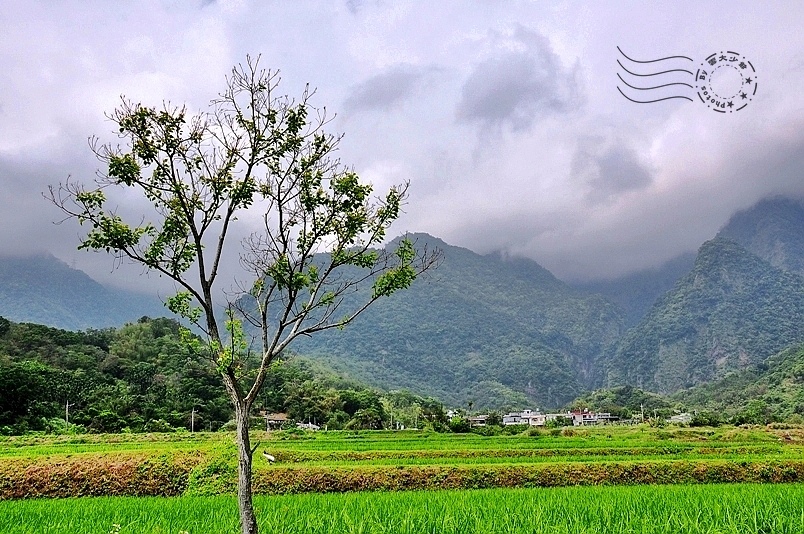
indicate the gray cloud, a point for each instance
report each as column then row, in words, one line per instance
column 608, row 169
column 354, row 6
column 569, row 174
column 386, row 89
column 608, row 239
column 517, row 87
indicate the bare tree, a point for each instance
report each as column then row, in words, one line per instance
column 313, row 265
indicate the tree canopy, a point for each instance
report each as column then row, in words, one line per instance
column 257, row 150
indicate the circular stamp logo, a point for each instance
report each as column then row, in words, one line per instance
column 726, row 82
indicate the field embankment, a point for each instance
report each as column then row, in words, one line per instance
column 203, row 464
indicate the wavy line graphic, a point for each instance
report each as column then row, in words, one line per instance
column 654, row 74
column 672, row 81
column 651, row 101
column 652, row 60
column 654, row 87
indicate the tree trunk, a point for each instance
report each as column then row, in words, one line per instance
column 248, row 522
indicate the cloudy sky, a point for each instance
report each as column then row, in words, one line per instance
column 505, row 116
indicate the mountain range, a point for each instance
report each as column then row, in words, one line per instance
column 497, row 331
column 732, row 311
column 481, row 329
column 44, row 290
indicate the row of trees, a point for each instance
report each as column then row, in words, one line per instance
column 143, row 377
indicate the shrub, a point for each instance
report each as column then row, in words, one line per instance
column 459, row 425
column 158, row 425
column 512, row 430
column 704, row 418
column 214, row 477
column 487, row 430
column 228, row 426
column 56, row 425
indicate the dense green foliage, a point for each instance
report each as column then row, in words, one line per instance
column 732, row 311
column 143, row 377
column 772, row 230
column 498, row 332
column 771, row 391
column 635, row 293
column 140, row 377
column 44, row 290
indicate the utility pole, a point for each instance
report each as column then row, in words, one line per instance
column 192, row 420
column 67, row 411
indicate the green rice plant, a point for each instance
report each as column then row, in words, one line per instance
column 736, row 508
column 202, row 464
column 375, row 442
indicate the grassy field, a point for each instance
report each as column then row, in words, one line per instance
column 202, row 464
column 734, row 508
column 367, row 445
column 618, row 478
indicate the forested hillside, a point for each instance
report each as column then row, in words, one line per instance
column 773, row 229
column 142, row 377
column 45, row 290
column 490, row 330
column 774, row 389
column 731, row 311
column 503, row 332
column 495, row 330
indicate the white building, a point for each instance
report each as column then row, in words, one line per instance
column 525, row 417
column 578, row 418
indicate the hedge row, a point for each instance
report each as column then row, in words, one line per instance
column 186, row 473
column 299, row 480
column 290, row 456
column 83, row 475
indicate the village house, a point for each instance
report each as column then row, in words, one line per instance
column 681, row 418
column 578, row 418
column 478, row 420
column 274, row 420
column 586, row 418
column 525, row 417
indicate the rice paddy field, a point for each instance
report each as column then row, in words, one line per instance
column 735, row 508
column 589, row 480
